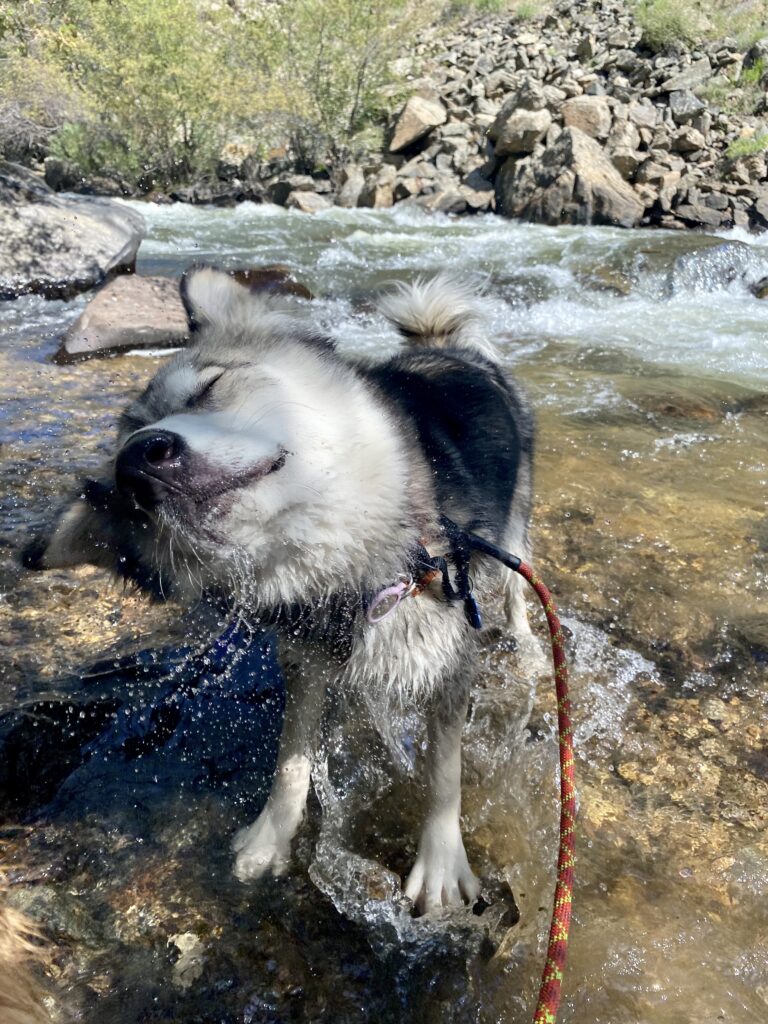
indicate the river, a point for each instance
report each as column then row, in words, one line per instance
column 125, row 774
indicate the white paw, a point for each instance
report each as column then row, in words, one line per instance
column 532, row 656
column 262, row 848
column 441, row 876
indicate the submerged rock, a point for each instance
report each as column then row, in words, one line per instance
column 55, row 246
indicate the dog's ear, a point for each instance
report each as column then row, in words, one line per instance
column 210, row 296
column 213, row 296
column 77, row 538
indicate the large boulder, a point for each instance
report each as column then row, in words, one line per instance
column 590, row 114
column 521, row 131
column 147, row 312
column 572, row 182
column 57, row 246
column 129, row 312
column 695, row 74
column 417, row 119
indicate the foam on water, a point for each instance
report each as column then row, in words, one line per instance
column 689, row 309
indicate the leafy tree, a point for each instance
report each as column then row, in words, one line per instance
column 161, row 82
column 331, row 62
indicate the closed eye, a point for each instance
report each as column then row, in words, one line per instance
column 203, row 392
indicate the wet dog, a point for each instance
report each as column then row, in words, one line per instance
column 20, row 997
column 263, row 468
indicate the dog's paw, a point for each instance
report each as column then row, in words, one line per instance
column 441, row 876
column 262, row 849
column 534, row 659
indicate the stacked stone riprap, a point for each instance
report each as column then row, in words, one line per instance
column 571, row 119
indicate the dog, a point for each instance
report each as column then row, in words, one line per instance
column 21, row 998
column 264, row 469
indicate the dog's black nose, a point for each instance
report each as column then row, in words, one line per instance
column 149, row 466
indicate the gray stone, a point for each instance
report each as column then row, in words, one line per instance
column 685, row 106
column 590, row 114
column 521, row 131
column 626, row 161
column 307, row 202
column 571, row 182
column 56, row 246
column 627, row 61
column 129, row 312
column 697, row 74
column 587, row 48
column 687, row 140
column 643, row 115
column 696, row 213
column 417, row 119
column 353, row 182
column 379, row 188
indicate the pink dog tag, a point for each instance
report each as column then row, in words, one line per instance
column 387, row 600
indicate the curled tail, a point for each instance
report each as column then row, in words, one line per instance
column 439, row 312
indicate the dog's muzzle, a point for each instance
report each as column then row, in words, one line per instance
column 150, row 467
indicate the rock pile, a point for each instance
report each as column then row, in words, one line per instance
column 571, row 119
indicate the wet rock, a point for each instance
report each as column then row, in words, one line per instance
column 129, row 312
column 55, row 246
column 573, row 182
column 307, row 202
column 352, row 184
column 417, row 119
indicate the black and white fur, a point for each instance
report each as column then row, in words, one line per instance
column 263, row 467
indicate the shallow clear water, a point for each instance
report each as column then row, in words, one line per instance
column 647, row 358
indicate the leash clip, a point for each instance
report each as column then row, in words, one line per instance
column 387, row 600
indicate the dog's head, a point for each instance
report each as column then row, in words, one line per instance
column 254, row 456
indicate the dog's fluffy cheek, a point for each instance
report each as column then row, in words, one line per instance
column 77, row 539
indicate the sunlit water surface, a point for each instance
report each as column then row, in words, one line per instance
column 124, row 777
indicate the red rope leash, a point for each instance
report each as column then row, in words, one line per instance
column 557, row 948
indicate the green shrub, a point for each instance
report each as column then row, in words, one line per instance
column 161, row 81
column 748, row 146
column 667, row 23
column 157, row 86
column 330, row 65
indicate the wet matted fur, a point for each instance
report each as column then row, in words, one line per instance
column 21, row 999
column 263, row 469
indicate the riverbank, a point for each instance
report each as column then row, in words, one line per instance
column 569, row 117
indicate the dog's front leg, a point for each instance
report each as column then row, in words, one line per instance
column 441, row 876
column 265, row 846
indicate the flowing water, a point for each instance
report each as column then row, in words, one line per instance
column 132, row 749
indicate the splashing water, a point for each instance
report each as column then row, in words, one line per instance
column 646, row 355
